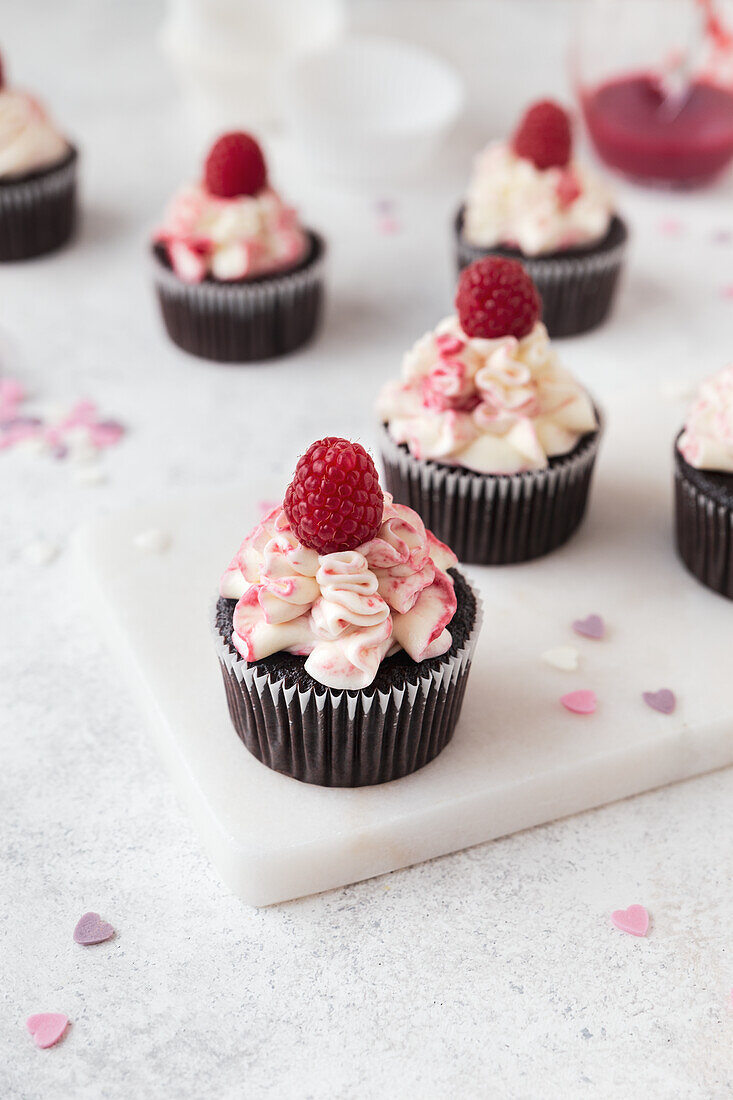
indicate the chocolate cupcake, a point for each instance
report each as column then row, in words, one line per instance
column 37, row 179
column 237, row 277
column 529, row 200
column 704, row 486
column 344, row 632
column 486, row 435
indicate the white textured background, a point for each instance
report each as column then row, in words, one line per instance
column 489, row 973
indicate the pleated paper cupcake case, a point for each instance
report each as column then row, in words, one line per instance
column 337, row 739
column 704, row 533
column 246, row 321
column 38, row 214
column 494, row 519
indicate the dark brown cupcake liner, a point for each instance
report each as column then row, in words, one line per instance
column 704, row 524
column 245, row 321
column 38, row 211
column 494, row 519
column 346, row 738
column 577, row 288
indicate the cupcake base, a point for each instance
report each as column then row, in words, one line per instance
column 38, row 210
column 398, row 724
column 704, row 524
column 244, row 321
column 577, row 286
column 494, row 519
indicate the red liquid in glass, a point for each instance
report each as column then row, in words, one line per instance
column 637, row 132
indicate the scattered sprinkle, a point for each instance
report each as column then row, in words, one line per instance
column 663, row 700
column 580, row 702
column 722, row 236
column 153, row 541
column 47, row 1028
column 92, row 929
column 592, row 626
column 75, row 433
column 564, row 657
column 41, row 552
column 727, row 291
column 634, row 920
column 90, row 475
column 671, row 227
column 388, row 226
column 677, row 389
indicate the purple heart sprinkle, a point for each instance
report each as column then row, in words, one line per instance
column 591, row 627
column 664, row 700
column 92, row 929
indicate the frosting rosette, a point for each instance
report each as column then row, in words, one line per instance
column 494, row 406
column 345, row 611
column 707, row 440
column 29, row 141
column 230, row 238
column 510, row 202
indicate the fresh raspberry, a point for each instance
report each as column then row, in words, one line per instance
column 544, row 136
column 496, row 297
column 334, row 501
column 235, row 166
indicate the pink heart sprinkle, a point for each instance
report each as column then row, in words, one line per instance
column 727, row 291
column 592, row 626
column 634, row 920
column 92, row 929
column 663, row 700
column 47, row 1028
column 670, row 227
column 580, row 702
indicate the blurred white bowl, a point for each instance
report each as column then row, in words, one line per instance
column 229, row 55
column 370, row 109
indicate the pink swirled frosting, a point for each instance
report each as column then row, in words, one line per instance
column 346, row 611
column 707, row 441
column 230, row 239
column 512, row 202
column 494, row 406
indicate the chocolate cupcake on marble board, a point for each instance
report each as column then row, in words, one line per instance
column 237, row 276
column 345, row 634
column 37, row 177
column 486, row 434
column 704, row 485
column 529, row 199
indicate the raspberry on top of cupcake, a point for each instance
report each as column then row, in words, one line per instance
column 29, row 141
column 707, row 440
column 485, row 390
column 232, row 225
column 340, row 574
column 530, row 194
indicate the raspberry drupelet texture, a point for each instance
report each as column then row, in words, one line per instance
column 496, row 297
column 544, row 136
column 334, row 501
column 235, row 166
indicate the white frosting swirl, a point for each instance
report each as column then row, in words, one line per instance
column 494, row 406
column 345, row 611
column 707, row 441
column 230, row 239
column 28, row 139
column 511, row 202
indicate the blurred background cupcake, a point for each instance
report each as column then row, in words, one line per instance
column 37, row 177
column 529, row 199
column 486, row 435
column 237, row 276
column 704, row 485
